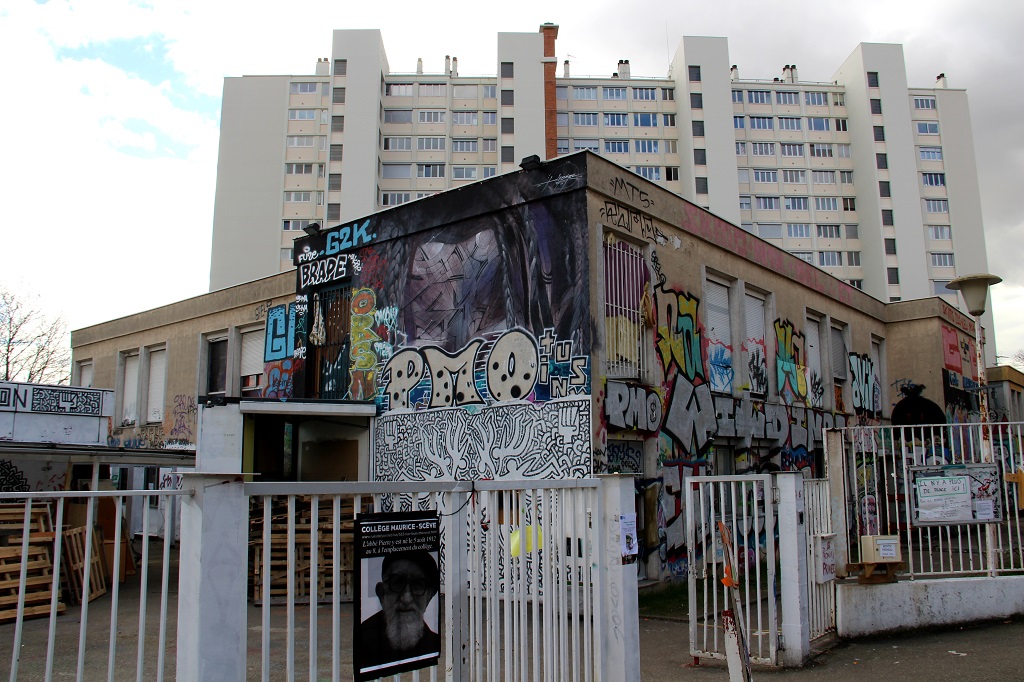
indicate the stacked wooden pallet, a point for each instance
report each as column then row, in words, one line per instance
column 75, row 559
column 38, row 562
column 313, row 575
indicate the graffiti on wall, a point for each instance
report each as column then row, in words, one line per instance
column 183, row 418
column 281, row 357
column 631, row 406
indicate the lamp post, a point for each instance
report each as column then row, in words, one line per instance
column 974, row 289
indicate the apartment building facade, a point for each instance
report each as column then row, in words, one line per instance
column 863, row 176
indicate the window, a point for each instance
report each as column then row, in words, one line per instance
column 295, row 224
column 130, row 389
column 737, row 96
column 303, row 88
column 614, row 93
column 302, row 114
column 646, row 120
column 940, row 232
column 769, row 230
column 508, row 154
column 823, row 177
column 787, row 97
column 579, row 92
column 743, row 175
column 645, row 94
column 645, row 146
column 927, row 128
column 840, row 357
column 337, row 124
column 301, row 140
column 393, row 198
column 872, row 79
column 761, row 123
column 508, row 98
column 464, row 146
column 830, row 259
column 466, row 118
column 881, row 161
column 397, row 143
column 430, row 143
column 334, row 182
column 428, row 116
column 924, row 102
column 821, row 150
column 508, row 125
column 789, row 123
column 843, row 151
column 463, row 172
column 157, row 380
column 744, row 203
column 940, row 288
column 846, row 177
column 584, row 119
column 890, row 246
column 562, row 146
column 856, row 283
column 701, row 184
column 842, row 125
column 398, row 115
column 625, row 272
column 796, row 204
column 768, row 203
column 616, row 120
column 933, row 179
column 507, row 70
column 893, row 275
column 669, row 120
column 739, row 122
column 251, row 365
column 818, row 123
column 804, row 255
column 798, row 230
column 668, row 94
column 876, row 106
column 936, row 205
column 616, row 147
column 298, row 197
column 649, row 172
column 491, row 118
column 839, row 99
column 217, row 367
column 298, row 169
column 334, row 211
column 754, row 343
column 562, row 92
column 792, row 149
column 433, row 90
column 592, row 145
column 430, row 170
column 489, row 91
column 84, row 374
column 816, row 99
column 390, row 171
column 795, row 176
column 884, row 188
column 340, row 67
column 887, row 217
column 463, row 92
column 697, row 128
column 766, row 176
column 672, row 173
column 399, row 89
column 849, row 204
column 879, row 132
column 759, row 97
column 337, row 152
column 693, row 73
column 700, row 157
column 741, row 149
column 829, row 232
column 942, row 260
column 338, row 96
column 490, row 145
column 762, row 148
column 490, row 171
column 826, row 204
column 718, row 332
column 930, row 153
column 696, row 100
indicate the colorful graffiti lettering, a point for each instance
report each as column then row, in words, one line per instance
column 790, row 374
column 679, row 338
column 280, row 378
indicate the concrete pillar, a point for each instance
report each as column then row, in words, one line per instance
column 796, row 629
column 212, row 578
column 616, row 606
column 835, row 471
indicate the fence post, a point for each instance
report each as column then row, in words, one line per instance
column 616, row 604
column 456, row 572
column 793, row 559
column 213, row 565
column 835, row 471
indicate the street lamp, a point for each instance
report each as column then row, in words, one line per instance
column 974, row 289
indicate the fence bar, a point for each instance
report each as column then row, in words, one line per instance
column 116, row 584
column 54, row 587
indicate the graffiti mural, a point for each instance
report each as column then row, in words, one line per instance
column 791, row 374
column 863, row 381
column 629, row 406
column 183, row 418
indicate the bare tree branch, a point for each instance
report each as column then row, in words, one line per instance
column 33, row 347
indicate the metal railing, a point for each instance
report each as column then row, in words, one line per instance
column 821, row 597
column 882, row 465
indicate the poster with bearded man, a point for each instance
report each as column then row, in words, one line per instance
column 396, row 624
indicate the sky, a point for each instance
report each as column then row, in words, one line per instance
column 120, row 187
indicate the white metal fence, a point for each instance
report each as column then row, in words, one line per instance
column 880, row 464
column 745, row 505
column 821, row 596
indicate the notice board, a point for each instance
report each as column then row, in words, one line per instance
column 952, row 494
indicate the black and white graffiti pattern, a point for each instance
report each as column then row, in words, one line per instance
column 66, row 401
column 11, row 478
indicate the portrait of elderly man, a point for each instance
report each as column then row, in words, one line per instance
column 398, row 632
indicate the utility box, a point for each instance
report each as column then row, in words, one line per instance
column 880, row 549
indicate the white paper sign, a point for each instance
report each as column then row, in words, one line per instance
column 627, row 534
column 984, row 510
column 825, row 557
column 944, row 498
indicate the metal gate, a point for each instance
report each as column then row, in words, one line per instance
column 745, row 505
column 821, row 596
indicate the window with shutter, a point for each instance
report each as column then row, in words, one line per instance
column 812, row 351
column 252, row 364
column 719, row 336
column 130, row 390
column 157, row 382
column 754, row 349
column 840, row 360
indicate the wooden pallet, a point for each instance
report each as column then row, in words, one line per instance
column 38, row 582
column 73, row 566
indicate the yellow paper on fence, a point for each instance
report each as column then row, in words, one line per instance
column 517, row 544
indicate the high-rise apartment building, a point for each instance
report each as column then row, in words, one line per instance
column 870, row 179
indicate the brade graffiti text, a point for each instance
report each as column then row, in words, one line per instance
column 331, row 269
